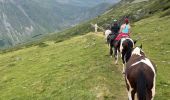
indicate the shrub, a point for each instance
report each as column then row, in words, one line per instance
column 166, row 13
column 42, row 44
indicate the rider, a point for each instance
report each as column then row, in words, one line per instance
column 125, row 28
column 115, row 30
column 115, row 27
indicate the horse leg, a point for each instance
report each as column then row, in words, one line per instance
column 153, row 89
column 129, row 95
column 151, row 92
column 123, row 61
column 116, row 55
column 121, row 47
column 149, row 95
column 111, row 50
column 129, row 89
column 133, row 94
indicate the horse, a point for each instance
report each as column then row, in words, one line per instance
column 106, row 33
column 122, row 44
column 140, row 76
column 126, row 45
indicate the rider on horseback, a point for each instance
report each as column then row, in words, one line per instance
column 124, row 30
column 115, row 27
column 115, row 30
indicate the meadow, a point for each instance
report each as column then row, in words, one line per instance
column 75, row 65
column 80, row 68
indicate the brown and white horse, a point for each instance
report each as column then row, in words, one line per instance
column 140, row 76
column 125, row 48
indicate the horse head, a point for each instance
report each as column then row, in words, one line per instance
column 126, row 47
column 138, row 51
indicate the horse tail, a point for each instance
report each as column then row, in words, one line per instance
column 141, row 86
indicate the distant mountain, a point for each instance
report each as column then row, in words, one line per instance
column 23, row 20
column 87, row 3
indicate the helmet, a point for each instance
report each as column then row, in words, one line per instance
column 115, row 20
column 126, row 20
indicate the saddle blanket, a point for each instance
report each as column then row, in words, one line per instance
column 121, row 35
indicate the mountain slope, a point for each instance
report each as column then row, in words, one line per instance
column 80, row 68
column 25, row 20
column 74, row 69
column 88, row 3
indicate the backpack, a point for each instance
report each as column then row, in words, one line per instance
column 115, row 28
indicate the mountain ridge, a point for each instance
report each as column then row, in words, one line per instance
column 26, row 20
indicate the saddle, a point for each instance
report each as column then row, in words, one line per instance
column 121, row 35
column 118, row 38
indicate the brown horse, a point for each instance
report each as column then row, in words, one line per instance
column 124, row 47
column 140, row 76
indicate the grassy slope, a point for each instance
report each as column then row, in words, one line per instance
column 80, row 69
column 74, row 69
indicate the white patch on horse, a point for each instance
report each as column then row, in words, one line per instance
column 130, row 89
column 153, row 88
column 146, row 61
column 136, row 51
column 123, row 70
column 117, row 57
column 121, row 42
column 107, row 32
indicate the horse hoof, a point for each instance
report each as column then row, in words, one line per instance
column 123, row 72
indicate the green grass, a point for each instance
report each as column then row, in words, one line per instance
column 64, row 67
column 78, row 69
